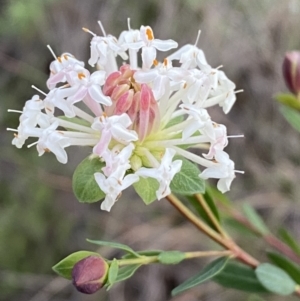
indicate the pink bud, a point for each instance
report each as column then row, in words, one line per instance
column 291, row 71
column 111, row 83
column 124, row 76
column 124, row 102
column 89, row 274
column 135, row 107
column 148, row 113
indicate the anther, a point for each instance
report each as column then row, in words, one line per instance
column 87, row 30
column 81, row 75
column 149, row 34
column 155, row 62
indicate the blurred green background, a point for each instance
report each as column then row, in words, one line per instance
column 40, row 219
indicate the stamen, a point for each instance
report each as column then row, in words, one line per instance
column 238, row 91
column 81, row 75
column 32, row 144
column 52, row 52
column 221, row 66
column 198, row 36
column 165, row 62
column 128, row 23
column 239, row 171
column 149, row 34
column 34, row 87
column 155, row 62
column 102, row 28
column 14, row 111
column 12, row 130
column 87, row 30
column 236, row 136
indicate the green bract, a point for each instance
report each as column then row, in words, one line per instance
column 84, row 185
column 65, row 266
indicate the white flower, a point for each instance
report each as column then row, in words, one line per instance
column 164, row 174
column 116, row 158
column 149, row 45
column 218, row 142
column 189, row 56
column 57, row 98
column 88, row 88
column 128, row 37
column 54, row 141
column 200, row 121
column 102, row 48
column 31, row 116
column 163, row 77
column 224, row 94
column 63, row 69
column 113, row 127
column 113, row 185
column 223, row 170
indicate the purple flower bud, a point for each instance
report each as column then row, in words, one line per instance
column 89, row 274
column 291, row 71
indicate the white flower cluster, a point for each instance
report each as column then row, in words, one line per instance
column 137, row 119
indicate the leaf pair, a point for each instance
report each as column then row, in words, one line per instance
column 186, row 182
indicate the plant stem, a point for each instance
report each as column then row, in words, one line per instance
column 188, row 255
column 194, row 219
column 140, row 260
column 210, row 214
column 198, row 254
column 227, row 243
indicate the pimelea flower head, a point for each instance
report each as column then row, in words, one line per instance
column 138, row 118
column 291, row 71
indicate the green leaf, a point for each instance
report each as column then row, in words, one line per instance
column 84, row 184
column 289, row 240
column 288, row 100
column 292, row 116
column 187, row 181
column 239, row 277
column 65, row 266
column 113, row 273
column 171, row 257
column 286, row 264
column 255, row 219
column 207, row 273
column 115, row 245
column 146, row 189
column 126, row 272
column 239, row 227
column 275, row 279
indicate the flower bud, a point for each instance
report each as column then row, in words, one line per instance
column 291, row 71
column 89, row 274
